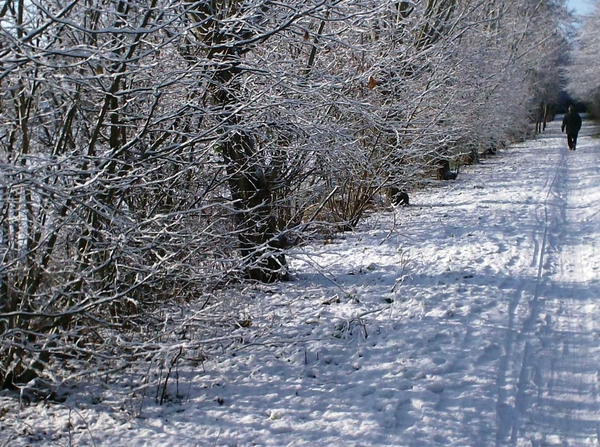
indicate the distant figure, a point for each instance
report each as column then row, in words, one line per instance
column 571, row 122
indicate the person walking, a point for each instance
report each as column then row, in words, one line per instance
column 572, row 123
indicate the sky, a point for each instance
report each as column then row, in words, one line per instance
column 581, row 7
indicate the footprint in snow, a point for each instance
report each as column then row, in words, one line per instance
column 490, row 353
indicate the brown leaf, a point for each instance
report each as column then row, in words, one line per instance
column 372, row 82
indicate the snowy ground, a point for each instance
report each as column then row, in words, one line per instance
column 470, row 318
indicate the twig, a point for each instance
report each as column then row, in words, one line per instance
column 392, row 230
column 87, row 427
column 173, row 363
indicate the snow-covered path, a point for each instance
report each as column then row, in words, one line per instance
column 552, row 356
column 536, row 348
column 470, row 318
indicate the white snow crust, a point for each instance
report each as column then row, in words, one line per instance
column 469, row 318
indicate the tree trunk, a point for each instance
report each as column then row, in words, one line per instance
column 249, row 184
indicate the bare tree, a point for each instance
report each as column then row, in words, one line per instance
column 104, row 196
column 583, row 75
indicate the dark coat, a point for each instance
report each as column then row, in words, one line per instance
column 572, row 122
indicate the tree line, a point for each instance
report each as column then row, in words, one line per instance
column 583, row 70
column 155, row 151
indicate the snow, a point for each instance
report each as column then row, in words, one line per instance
column 470, row 318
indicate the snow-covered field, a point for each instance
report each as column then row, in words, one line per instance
column 469, row 318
